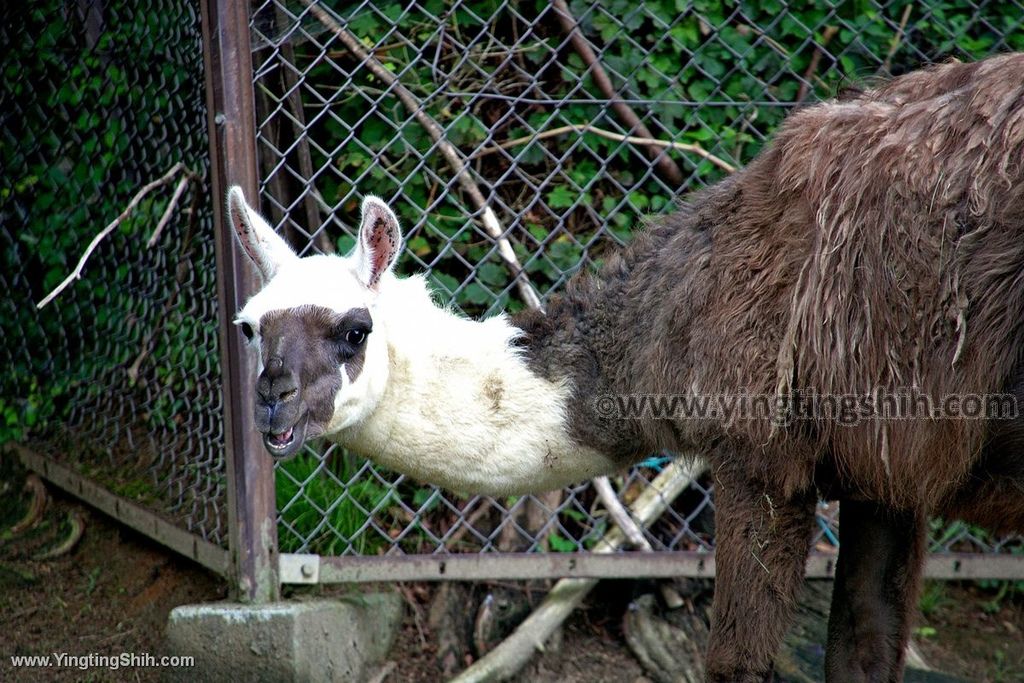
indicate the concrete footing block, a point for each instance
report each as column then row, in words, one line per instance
column 320, row 640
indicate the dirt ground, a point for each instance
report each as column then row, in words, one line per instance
column 974, row 633
column 112, row 592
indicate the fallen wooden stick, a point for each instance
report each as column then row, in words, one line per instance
column 619, row 514
column 505, row 660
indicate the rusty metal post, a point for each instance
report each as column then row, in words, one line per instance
column 252, row 513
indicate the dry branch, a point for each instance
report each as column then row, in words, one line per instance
column 620, row 515
column 454, row 158
column 812, row 67
column 505, row 660
column 290, row 81
column 166, row 218
column 181, row 272
column 665, row 166
column 632, row 139
column 146, row 189
column 897, row 39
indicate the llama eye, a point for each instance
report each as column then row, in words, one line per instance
column 355, row 337
column 247, row 331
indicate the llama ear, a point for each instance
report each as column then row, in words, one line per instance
column 266, row 248
column 379, row 242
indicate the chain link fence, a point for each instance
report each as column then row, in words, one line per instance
column 575, row 119
column 117, row 379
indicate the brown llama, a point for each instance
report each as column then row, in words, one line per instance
column 876, row 247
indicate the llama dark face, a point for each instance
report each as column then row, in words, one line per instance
column 323, row 361
column 301, row 351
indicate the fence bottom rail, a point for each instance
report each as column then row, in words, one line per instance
column 296, row 568
column 146, row 522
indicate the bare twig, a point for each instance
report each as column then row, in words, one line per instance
column 505, row 660
column 748, row 121
column 898, row 38
column 181, row 272
column 776, row 46
column 171, row 205
column 77, row 272
column 812, row 67
column 298, row 121
column 666, row 167
column 454, row 158
column 601, row 132
column 278, row 91
column 619, row 514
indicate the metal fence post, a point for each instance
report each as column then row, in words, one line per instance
column 250, row 472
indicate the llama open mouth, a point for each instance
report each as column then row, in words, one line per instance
column 281, row 440
column 286, row 443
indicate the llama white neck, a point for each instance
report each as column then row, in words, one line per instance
column 463, row 410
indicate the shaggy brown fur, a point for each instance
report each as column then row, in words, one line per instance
column 877, row 245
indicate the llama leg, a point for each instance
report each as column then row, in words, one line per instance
column 761, row 543
column 881, row 553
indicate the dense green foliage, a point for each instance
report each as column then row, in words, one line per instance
column 721, row 75
column 93, row 109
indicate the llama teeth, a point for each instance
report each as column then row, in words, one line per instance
column 282, row 439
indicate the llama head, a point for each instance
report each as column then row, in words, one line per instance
column 316, row 325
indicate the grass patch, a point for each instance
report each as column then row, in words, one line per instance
column 320, row 514
column 933, row 598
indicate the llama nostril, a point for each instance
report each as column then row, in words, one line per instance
column 288, row 395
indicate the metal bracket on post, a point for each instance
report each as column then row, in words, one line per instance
column 299, row 568
column 252, row 513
